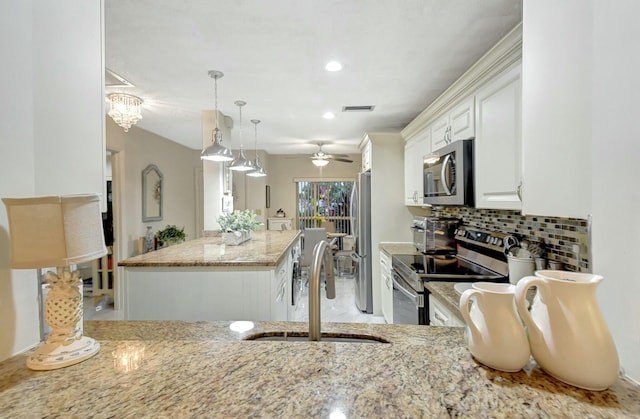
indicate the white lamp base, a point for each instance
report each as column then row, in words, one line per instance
column 53, row 356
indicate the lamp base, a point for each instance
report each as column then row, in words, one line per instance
column 51, row 356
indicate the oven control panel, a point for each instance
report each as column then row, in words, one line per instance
column 489, row 239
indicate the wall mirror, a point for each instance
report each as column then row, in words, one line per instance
column 151, row 194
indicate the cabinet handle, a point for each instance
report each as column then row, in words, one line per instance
column 519, row 190
column 439, row 317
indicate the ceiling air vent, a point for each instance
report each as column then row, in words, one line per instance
column 365, row 108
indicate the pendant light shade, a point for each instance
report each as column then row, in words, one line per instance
column 241, row 163
column 216, row 151
column 258, row 170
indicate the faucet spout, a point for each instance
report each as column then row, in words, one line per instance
column 321, row 253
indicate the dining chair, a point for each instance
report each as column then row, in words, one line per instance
column 312, row 236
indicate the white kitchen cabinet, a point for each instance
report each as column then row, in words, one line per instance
column 414, row 152
column 498, row 144
column 440, row 315
column 280, row 290
column 277, row 223
column 386, row 285
column 456, row 124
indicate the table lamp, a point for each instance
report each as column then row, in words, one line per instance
column 58, row 231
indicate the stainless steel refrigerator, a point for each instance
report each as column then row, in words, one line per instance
column 361, row 231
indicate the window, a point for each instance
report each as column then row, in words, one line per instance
column 324, row 201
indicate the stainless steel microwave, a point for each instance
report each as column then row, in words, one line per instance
column 448, row 175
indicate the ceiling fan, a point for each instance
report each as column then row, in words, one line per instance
column 320, row 158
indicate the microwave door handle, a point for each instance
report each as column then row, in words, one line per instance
column 443, row 174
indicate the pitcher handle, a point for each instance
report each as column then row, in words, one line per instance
column 465, row 298
column 522, row 287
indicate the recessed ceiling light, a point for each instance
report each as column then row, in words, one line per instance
column 333, row 66
column 329, row 115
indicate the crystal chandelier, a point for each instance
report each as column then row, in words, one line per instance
column 259, row 171
column 125, row 109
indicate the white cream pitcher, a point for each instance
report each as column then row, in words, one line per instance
column 567, row 332
column 495, row 334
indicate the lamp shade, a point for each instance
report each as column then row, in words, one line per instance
column 55, row 230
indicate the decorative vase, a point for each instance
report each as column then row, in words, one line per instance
column 568, row 335
column 495, row 334
column 234, row 238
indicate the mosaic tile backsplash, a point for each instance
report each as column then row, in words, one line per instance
column 566, row 239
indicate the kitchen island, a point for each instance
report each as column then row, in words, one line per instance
column 204, row 369
column 204, row 279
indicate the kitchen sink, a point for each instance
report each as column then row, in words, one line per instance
column 325, row 337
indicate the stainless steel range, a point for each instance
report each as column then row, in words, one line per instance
column 479, row 256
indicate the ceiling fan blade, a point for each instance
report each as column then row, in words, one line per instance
column 341, row 159
column 340, row 155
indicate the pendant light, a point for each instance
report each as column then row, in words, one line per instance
column 258, row 170
column 241, row 163
column 216, row 151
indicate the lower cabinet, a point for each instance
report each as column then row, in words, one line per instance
column 386, row 287
column 277, row 223
column 280, row 291
column 439, row 315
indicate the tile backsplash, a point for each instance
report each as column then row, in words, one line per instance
column 566, row 239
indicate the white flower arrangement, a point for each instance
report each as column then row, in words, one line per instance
column 239, row 221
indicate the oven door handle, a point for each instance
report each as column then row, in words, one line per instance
column 409, row 293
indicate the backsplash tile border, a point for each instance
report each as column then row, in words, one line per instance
column 561, row 236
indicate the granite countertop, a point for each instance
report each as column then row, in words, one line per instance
column 398, row 248
column 266, row 248
column 201, row 369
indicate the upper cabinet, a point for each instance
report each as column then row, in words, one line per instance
column 498, row 144
column 485, row 103
column 458, row 124
column 414, row 151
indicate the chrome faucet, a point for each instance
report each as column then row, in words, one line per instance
column 322, row 250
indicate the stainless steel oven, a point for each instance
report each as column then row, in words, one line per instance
column 408, row 303
column 448, row 175
column 480, row 257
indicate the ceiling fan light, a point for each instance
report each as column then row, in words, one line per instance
column 320, row 162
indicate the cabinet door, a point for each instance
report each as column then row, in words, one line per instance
column 280, row 294
column 462, row 121
column 414, row 151
column 387, row 287
column 440, row 133
column 498, row 143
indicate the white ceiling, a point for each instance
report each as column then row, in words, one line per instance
column 396, row 55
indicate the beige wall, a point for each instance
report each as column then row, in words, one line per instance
column 181, row 170
column 283, row 169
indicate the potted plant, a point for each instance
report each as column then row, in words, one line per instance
column 170, row 235
column 236, row 227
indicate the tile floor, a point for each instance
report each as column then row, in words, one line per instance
column 342, row 309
